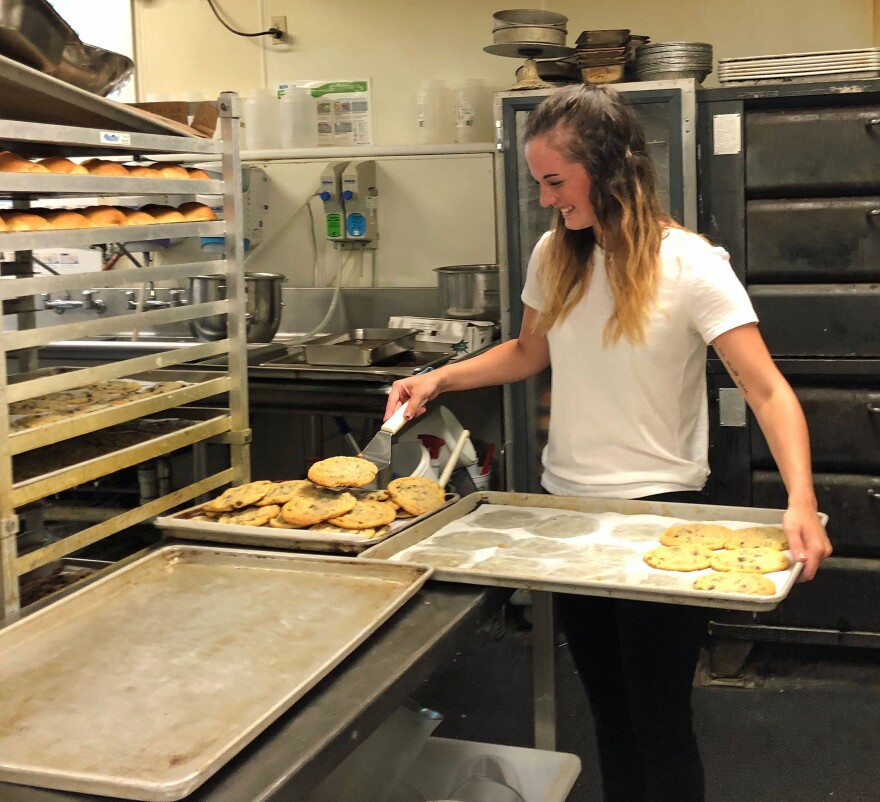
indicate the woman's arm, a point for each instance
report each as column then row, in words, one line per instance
column 511, row 361
column 776, row 408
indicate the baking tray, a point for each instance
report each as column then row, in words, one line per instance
column 402, row 365
column 145, row 682
column 33, row 32
column 611, row 572
column 181, row 526
column 359, row 347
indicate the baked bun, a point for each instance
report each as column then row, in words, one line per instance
column 172, row 171
column 3, row 226
column 193, row 212
column 163, row 214
column 135, row 217
column 143, row 171
column 13, row 163
column 26, row 221
column 198, row 174
column 65, row 218
column 104, row 167
column 104, row 216
column 61, row 166
column 36, row 167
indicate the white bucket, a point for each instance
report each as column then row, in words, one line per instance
column 411, row 458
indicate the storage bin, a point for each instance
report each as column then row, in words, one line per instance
column 541, row 776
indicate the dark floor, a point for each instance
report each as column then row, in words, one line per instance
column 802, row 724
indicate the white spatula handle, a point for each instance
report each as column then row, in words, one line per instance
column 396, row 421
column 453, row 459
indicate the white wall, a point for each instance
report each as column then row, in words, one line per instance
column 398, row 43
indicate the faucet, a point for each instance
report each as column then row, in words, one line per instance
column 175, row 298
column 59, row 305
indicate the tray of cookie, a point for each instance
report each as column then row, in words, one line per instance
column 696, row 554
column 337, row 510
column 59, row 414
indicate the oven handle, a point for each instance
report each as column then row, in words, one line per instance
column 874, row 494
column 873, row 408
column 873, row 121
column 873, row 213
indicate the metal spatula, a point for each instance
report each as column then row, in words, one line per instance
column 378, row 450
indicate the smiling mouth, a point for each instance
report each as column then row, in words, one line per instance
column 567, row 210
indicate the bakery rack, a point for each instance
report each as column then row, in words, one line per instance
column 20, row 343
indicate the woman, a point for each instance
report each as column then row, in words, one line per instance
column 622, row 303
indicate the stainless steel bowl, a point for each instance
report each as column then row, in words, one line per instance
column 469, row 292
column 263, row 306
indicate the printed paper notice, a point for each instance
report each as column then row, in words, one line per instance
column 345, row 110
column 727, row 134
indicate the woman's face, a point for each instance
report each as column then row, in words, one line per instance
column 564, row 185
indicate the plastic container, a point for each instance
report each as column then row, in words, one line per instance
column 481, row 481
column 442, row 423
column 261, row 120
column 537, row 775
column 435, row 114
column 411, row 458
column 298, row 112
column 473, row 112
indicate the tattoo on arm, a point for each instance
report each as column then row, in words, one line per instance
column 734, row 373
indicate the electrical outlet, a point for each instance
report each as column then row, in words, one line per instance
column 281, row 24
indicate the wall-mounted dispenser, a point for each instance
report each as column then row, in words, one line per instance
column 360, row 199
column 331, row 194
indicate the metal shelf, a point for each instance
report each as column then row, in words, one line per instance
column 86, row 537
column 42, row 185
column 230, row 424
column 83, row 237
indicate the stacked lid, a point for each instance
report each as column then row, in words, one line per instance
column 824, row 65
column 672, row 60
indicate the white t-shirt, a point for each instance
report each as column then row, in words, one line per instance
column 627, row 420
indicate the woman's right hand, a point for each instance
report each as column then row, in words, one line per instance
column 415, row 391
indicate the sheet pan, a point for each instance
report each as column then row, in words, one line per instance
column 181, row 526
column 142, row 684
column 614, row 568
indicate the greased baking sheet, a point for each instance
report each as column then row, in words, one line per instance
column 605, row 560
column 142, row 684
column 182, row 526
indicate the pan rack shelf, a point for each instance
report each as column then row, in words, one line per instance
column 22, row 378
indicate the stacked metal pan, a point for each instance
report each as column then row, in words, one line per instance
column 826, row 65
column 662, row 61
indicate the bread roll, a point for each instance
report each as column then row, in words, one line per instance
column 61, row 166
column 163, row 214
column 103, row 167
column 104, row 216
column 13, row 163
column 135, row 217
column 198, row 174
column 3, row 226
column 172, row 171
column 26, row 221
column 65, row 218
column 38, row 168
column 143, row 171
column 193, row 212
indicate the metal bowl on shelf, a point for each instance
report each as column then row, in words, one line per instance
column 263, row 305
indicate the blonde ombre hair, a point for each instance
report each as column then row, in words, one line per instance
column 592, row 126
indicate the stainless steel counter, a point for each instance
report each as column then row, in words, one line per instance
column 300, row 749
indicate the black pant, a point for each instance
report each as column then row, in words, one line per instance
column 636, row 661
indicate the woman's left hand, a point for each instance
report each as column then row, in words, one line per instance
column 807, row 539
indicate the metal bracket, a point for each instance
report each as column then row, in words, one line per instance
column 731, row 407
column 238, row 438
